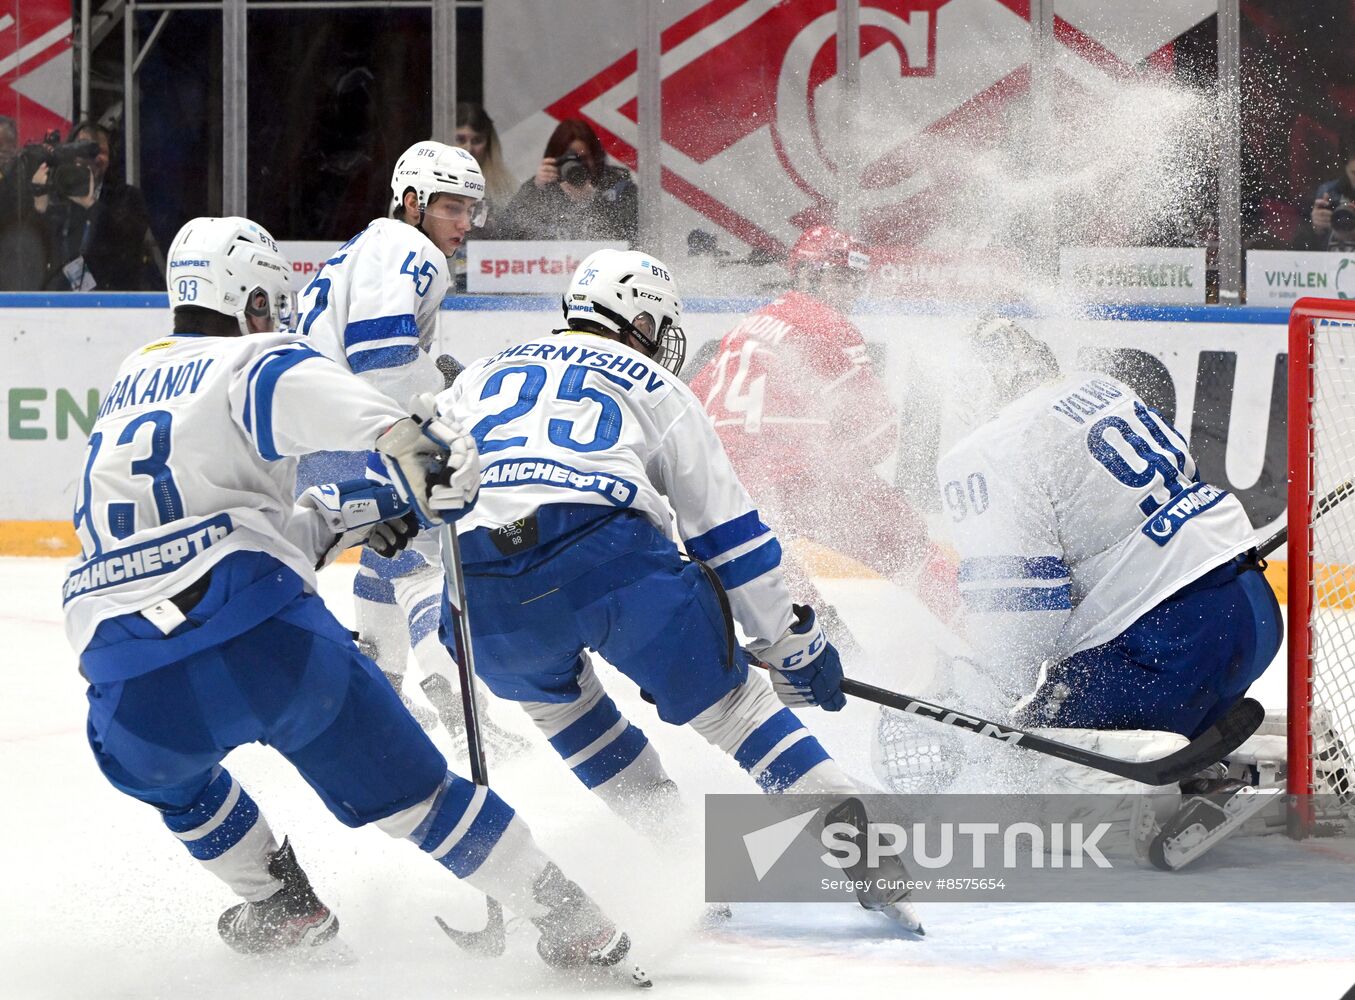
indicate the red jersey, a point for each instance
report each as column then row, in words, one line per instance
column 792, row 391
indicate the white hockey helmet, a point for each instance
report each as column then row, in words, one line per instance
column 629, row 292
column 431, row 167
column 233, row 266
column 1013, row 359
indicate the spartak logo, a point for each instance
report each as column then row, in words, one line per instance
column 745, row 80
column 751, row 83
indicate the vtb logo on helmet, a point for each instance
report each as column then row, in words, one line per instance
column 232, row 266
column 629, row 293
column 432, row 167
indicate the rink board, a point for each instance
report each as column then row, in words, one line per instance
column 1217, row 372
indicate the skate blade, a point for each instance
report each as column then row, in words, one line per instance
column 334, row 952
column 904, row 917
column 487, row 943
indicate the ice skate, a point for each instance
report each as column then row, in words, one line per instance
column 499, row 743
column 576, row 934
column 885, row 889
column 426, row 718
column 293, row 917
column 1212, row 809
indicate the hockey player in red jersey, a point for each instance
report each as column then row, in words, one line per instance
column 805, row 419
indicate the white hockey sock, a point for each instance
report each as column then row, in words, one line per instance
column 227, row 834
column 607, row 753
column 770, row 742
column 477, row 836
column 381, row 623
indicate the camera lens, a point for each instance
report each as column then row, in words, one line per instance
column 1343, row 217
column 572, row 171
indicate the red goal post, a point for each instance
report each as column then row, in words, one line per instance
column 1321, row 554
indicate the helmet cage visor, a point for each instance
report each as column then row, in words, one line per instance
column 278, row 306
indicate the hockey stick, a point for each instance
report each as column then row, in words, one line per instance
column 491, row 940
column 1209, row 747
column 1324, row 505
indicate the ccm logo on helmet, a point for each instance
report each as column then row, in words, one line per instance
column 649, row 295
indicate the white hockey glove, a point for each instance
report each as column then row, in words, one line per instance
column 805, row 668
column 432, row 461
column 357, row 511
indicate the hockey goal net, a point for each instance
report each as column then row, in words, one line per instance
column 1321, row 554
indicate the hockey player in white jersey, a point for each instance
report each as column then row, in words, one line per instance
column 373, row 308
column 1107, row 586
column 588, row 440
column 194, row 611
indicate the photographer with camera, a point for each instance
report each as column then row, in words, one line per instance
column 24, row 174
column 98, row 233
column 576, row 194
column 1331, row 220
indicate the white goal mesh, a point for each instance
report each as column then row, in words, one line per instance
column 1322, row 548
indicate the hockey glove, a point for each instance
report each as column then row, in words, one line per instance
column 432, row 461
column 805, row 667
column 360, row 510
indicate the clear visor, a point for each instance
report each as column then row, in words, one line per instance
column 280, row 309
column 459, row 208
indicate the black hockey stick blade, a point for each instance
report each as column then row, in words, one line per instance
column 1209, row 747
column 489, row 942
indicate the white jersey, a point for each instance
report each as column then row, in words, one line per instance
column 190, row 459
column 1075, row 511
column 579, row 419
column 373, row 307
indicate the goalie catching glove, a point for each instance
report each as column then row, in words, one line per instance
column 360, row 510
column 433, row 462
column 805, row 668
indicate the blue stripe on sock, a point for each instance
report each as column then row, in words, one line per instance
column 471, row 850
column 241, row 820
column 448, row 808
column 420, row 832
column 425, row 624
column 612, row 759
column 760, row 741
column 792, row 764
column 584, row 730
column 371, row 588
column 211, row 799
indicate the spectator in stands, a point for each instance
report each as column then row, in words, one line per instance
column 1331, row 218
column 23, row 238
column 9, row 143
column 576, row 194
column 476, row 135
column 99, row 238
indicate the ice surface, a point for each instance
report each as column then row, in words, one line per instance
column 99, row 901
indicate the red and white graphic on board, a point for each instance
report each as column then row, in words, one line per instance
column 36, row 67
column 750, row 98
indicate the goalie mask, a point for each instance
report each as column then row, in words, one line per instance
column 231, row 266
column 1013, row 360
column 430, row 168
column 629, row 293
